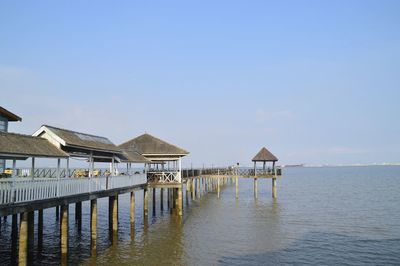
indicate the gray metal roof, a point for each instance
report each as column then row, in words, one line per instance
column 83, row 140
column 147, row 144
column 10, row 116
column 16, row 145
column 264, row 155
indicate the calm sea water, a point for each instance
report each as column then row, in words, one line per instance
column 322, row 216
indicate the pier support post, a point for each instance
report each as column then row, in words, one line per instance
column 145, row 203
column 180, row 201
column 168, row 198
column 64, row 234
column 188, row 185
column 154, row 201
column 23, row 240
column 113, row 217
column 93, row 227
column 40, row 230
column 78, row 215
column 132, row 208
column 274, row 188
column 237, row 187
column 14, row 235
column 255, row 188
column 218, row 187
column 161, row 199
column 57, row 213
column 31, row 234
column 193, row 188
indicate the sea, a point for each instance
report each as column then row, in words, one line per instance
column 321, row 216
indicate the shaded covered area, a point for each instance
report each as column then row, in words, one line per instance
column 83, row 145
column 21, row 147
column 165, row 158
column 264, row 156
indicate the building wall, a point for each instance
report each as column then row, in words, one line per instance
column 3, row 128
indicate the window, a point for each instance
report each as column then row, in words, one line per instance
column 3, row 125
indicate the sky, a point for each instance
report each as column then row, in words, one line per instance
column 316, row 82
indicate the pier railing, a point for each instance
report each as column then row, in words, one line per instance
column 27, row 189
column 233, row 171
column 164, row 176
column 51, row 172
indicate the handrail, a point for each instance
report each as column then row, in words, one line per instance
column 28, row 189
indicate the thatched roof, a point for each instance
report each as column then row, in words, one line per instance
column 10, row 116
column 146, row 144
column 264, row 155
column 16, row 145
column 77, row 139
column 133, row 157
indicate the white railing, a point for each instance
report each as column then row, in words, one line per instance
column 26, row 189
column 164, row 176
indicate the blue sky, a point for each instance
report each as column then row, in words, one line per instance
column 313, row 81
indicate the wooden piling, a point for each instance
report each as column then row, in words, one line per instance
column 145, row 203
column 64, row 234
column 237, row 187
column 154, row 201
column 180, row 201
column 168, row 198
column 78, row 215
column 40, row 230
column 14, row 235
column 193, row 189
column 255, row 188
column 31, row 234
column 218, row 186
column 132, row 208
column 23, row 240
column 57, row 213
column 161, row 199
column 188, row 185
column 113, row 217
column 93, row 227
column 274, row 188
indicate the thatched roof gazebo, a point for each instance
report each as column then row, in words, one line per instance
column 264, row 156
column 159, row 153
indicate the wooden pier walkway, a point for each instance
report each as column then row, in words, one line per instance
column 25, row 192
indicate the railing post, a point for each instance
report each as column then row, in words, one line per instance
column 58, row 177
column 14, row 176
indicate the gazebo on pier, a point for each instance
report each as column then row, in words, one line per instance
column 165, row 158
column 264, row 156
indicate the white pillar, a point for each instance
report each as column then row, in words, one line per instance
column 33, row 168
column 180, row 169
column 58, row 176
column 67, row 170
column 14, row 176
column 91, row 164
column 112, row 166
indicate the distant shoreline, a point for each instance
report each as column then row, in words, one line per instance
column 339, row 165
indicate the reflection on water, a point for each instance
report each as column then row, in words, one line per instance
column 321, row 216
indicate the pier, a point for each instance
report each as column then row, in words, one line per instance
column 28, row 191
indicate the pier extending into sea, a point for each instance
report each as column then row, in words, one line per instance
column 26, row 192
